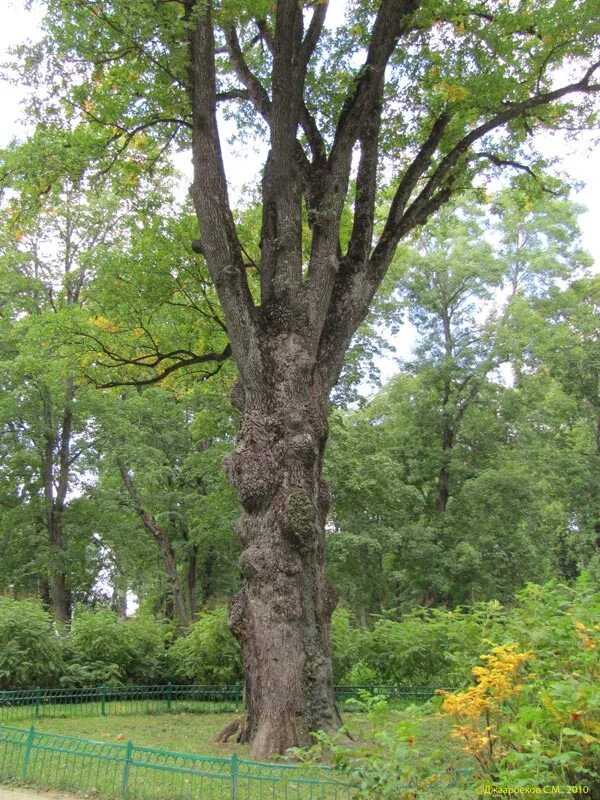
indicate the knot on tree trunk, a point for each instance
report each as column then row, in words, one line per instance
column 237, row 615
column 256, row 563
column 301, row 447
column 252, row 470
column 300, row 520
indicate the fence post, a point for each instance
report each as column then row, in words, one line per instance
column 169, row 690
column 28, row 748
column 38, row 699
column 126, row 766
column 103, row 700
column 234, row 776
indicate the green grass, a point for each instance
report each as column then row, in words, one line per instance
column 189, row 732
column 184, row 732
column 26, row 714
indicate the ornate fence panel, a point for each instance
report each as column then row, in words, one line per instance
column 146, row 773
column 122, row 700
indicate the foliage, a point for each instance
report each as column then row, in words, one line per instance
column 106, row 649
column 346, row 643
column 30, row 652
column 450, row 485
column 556, row 733
column 208, row 654
column 430, row 647
column 484, row 709
column 531, row 718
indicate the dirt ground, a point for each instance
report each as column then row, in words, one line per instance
column 31, row 794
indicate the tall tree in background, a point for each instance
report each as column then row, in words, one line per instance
column 442, row 483
column 430, row 94
column 46, row 264
column 165, row 447
column 567, row 349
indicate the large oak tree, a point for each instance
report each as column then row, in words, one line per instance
column 370, row 127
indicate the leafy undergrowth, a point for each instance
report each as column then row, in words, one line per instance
column 528, row 723
column 529, row 720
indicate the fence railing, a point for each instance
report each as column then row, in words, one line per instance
column 126, row 700
column 146, row 773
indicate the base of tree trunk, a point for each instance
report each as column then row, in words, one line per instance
column 282, row 616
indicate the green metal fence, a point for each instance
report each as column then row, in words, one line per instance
column 145, row 773
column 123, row 700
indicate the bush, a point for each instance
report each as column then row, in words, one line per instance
column 555, row 732
column 429, row 647
column 103, row 648
column 147, row 640
column 345, row 644
column 530, row 718
column 209, row 654
column 30, row 652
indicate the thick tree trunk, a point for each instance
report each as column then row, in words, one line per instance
column 282, row 615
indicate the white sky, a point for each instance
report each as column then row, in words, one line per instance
column 581, row 159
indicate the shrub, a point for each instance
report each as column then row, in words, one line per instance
column 556, row 733
column 345, row 644
column 530, row 719
column 430, row 647
column 103, row 648
column 209, row 654
column 147, row 638
column 30, row 652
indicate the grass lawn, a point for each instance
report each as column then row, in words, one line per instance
column 182, row 732
column 173, row 757
column 189, row 732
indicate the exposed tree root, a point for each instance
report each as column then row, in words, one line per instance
column 231, row 729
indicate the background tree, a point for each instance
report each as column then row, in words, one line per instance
column 442, row 482
column 46, row 263
column 163, row 448
column 563, row 356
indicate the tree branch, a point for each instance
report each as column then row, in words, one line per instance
column 256, row 91
column 220, row 244
column 392, row 20
column 182, row 363
column 311, row 39
column 438, row 180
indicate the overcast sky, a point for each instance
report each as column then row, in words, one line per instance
column 581, row 159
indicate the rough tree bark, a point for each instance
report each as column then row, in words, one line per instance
column 282, row 615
